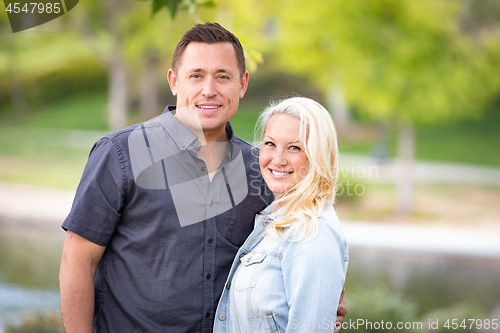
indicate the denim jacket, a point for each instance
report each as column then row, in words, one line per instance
column 276, row 285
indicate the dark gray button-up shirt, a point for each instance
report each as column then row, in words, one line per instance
column 170, row 233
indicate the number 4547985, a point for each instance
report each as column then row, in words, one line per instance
column 40, row 8
column 478, row 323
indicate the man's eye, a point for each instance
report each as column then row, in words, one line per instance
column 195, row 76
column 224, row 77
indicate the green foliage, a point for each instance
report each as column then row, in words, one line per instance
column 252, row 59
column 269, row 84
column 60, row 83
column 173, row 6
column 48, row 68
column 377, row 304
column 396, row 59
column 38, row 323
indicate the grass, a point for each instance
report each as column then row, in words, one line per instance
column 37, row 151
column 244, row 121
column 33, row 151
column 471, row 141
column 80, row 112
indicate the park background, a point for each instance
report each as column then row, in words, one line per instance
column 413, row 87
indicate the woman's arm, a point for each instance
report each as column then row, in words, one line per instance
column 313, row 273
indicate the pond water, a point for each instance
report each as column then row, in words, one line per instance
column 29, row 269
column 431, row 281
column 30, row 257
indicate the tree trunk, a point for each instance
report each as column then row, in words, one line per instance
column 380, row 150
column 16, row 91
column 406, row 149
column 148, row 99
column 117, row 76
column 338, row 107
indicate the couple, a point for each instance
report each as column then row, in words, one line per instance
column 169, row 230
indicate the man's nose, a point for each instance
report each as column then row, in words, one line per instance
column 209, row 88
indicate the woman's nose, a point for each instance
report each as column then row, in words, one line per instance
column 279, row 159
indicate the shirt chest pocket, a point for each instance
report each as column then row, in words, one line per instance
column 248, row 272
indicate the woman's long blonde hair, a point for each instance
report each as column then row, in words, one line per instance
column 303, row 203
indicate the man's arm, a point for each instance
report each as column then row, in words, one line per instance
column 341, row 311
column 76, row 282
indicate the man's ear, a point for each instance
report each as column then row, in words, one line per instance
column 172, row 81
column 244, row 84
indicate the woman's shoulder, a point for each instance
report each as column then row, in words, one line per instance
column 329, row 221
column 328, row 233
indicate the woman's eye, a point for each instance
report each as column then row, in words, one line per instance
column 295, row 148
column 269, row 144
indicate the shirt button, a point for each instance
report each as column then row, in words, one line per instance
column 209, row 276
column 202, row 168
column 228, row 285
column 207, row 315
column 222, row 316
column 242, row 255
column 210, row 240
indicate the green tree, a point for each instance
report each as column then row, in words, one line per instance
column 403, row 61
column 147, row 51
column 12, row 81
column 129, row 38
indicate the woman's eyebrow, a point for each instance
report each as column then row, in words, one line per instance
column 291, row 142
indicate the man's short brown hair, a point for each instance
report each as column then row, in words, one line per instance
column 209, row 33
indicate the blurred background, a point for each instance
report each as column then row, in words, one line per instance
column 414, row 90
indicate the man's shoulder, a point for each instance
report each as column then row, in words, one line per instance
column 248, row 150
column 120, row 138
column 124, row 133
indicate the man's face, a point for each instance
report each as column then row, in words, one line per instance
column 208, row 86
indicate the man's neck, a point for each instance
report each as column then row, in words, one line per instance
column 204, row 135
column 213, row 150
column 213, row 145
column 219, row 135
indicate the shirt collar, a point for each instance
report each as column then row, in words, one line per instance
column 181, row 135
column 185, row 139
column 270, row 214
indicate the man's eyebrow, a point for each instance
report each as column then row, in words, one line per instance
column 200, row 70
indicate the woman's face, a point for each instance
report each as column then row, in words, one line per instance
column 283, row 161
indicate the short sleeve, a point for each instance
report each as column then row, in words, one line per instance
column 100, row 195
column 314, row 274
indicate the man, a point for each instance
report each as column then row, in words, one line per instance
column 161, row 211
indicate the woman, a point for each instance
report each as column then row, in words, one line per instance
column 289, row 273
